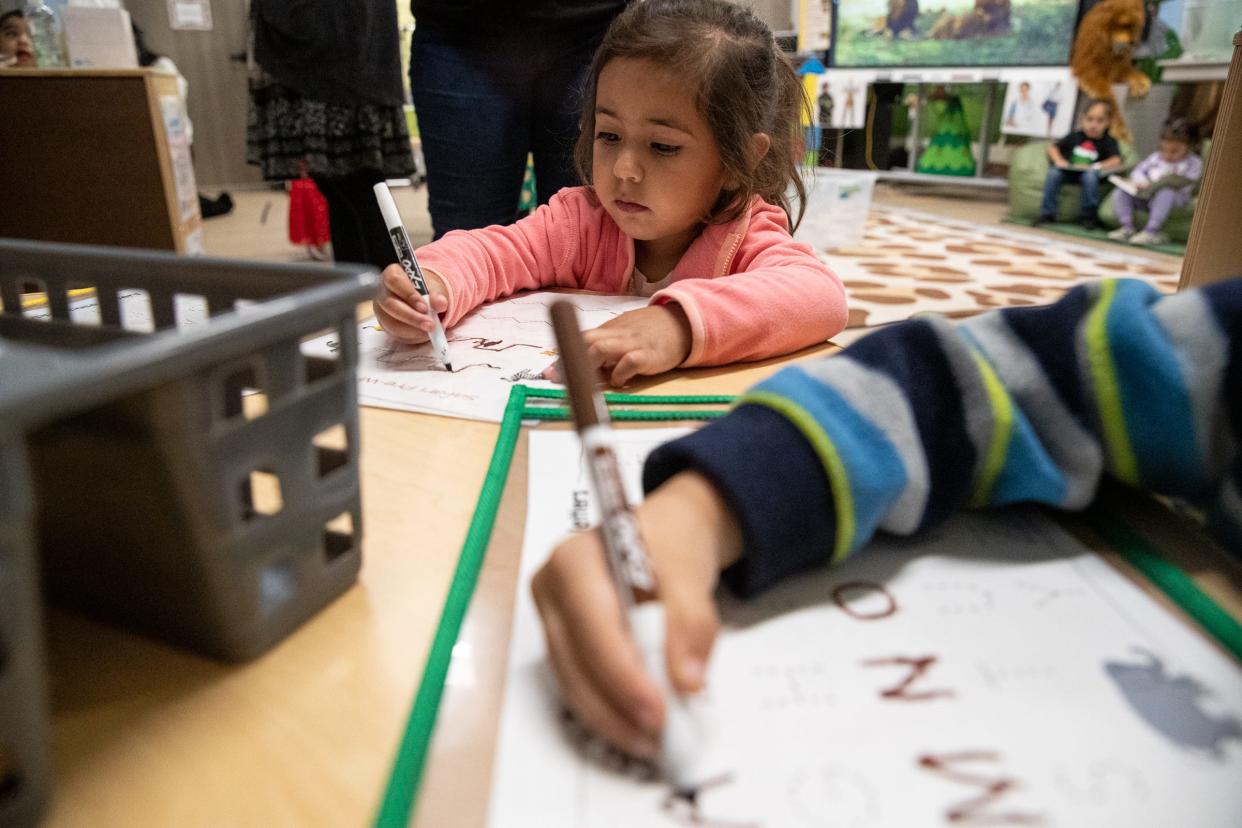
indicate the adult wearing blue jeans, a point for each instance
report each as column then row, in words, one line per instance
column 491, row 82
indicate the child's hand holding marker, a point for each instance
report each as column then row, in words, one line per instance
column 402, row 311
column 691, row 536
column 631, row 655
column 416, row 293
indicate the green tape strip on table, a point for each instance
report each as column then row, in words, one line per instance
column 1171, row 580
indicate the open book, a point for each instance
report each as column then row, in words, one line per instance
column 1126, row 184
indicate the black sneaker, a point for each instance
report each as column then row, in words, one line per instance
column 1091, row 222
column 1043, row 218
column 212, row 207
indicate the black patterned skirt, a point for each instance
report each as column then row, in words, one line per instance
column 289, row 135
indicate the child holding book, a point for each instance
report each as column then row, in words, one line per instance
column 690, row 144
column 1162, row 181
column 1084, row 156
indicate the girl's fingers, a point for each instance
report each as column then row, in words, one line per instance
column 394, row 281
column 553, row 372
column 397, row 283
column 605, row 352
column 630, row 365
column 603, row 357
column 606, row 329
column 402, row 311
column 396, row 325
column 692, row 625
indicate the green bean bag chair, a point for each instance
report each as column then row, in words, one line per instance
column 1027, row 170
column 1176, row 226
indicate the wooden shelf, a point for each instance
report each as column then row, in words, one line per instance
column 1188, row 71
column 990, row 181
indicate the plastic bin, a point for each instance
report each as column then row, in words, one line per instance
column 837, row 205
column 171, row 456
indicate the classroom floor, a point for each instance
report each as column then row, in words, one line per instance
column 258, row 226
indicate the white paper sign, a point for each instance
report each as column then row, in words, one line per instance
column 189, row 14
column 99, row 38
column 837, row 204
column 134, row 306
column 173, row 113
column 848, row 90
column 1038, row 104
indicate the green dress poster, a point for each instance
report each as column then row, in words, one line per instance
column 949, row 151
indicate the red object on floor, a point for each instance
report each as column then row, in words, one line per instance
column 308, row 214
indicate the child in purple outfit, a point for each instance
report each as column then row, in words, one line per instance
column 1173, row 158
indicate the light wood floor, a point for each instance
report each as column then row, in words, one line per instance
column 258, row 226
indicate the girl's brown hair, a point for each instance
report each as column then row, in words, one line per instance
column 745, row 84
column 1180, row 129
column 1094, row 102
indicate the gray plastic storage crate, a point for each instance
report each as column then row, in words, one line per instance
column 172, row 455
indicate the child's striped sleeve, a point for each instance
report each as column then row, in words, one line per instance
column 1031, row 404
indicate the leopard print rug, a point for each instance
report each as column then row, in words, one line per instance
column 912, row 262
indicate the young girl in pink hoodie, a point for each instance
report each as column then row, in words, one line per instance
column 690, row 141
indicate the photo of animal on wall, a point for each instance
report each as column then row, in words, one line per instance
column 954, row 32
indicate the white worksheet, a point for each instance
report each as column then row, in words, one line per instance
column 497, row 345
column 992, row 672
column 135, row 308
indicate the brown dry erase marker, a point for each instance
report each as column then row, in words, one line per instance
column 682, row 739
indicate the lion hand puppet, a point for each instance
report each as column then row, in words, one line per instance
column 1103, row 51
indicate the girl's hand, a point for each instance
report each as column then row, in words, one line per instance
column 402, row 312
column 691, row 535
column 646, row 341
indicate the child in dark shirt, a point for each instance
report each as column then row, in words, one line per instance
column 1084, row 156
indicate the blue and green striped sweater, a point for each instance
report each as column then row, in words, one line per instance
column 1024, row 404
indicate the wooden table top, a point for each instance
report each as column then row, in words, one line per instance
column 306, row 734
